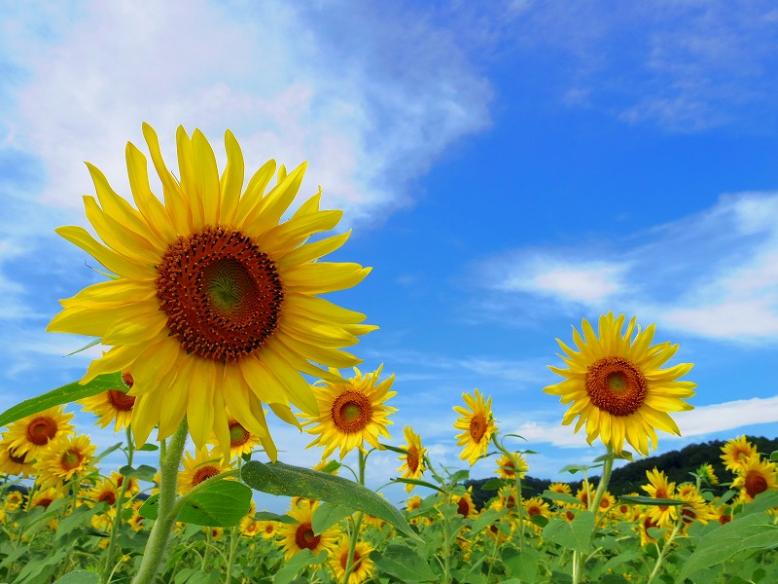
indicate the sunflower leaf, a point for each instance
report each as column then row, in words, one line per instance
column 292, row 481
column 216, row 503
column 62, row 395
column 328, row 514
column 643, row 500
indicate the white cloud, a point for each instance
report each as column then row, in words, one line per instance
column 700, row 421
column 713, row 274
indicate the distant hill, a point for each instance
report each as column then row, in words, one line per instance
column 677, row 464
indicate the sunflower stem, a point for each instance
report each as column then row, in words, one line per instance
column 357, row 522
column 663, row 552
column 117, row 507
column 517, row 485
column 166, row 515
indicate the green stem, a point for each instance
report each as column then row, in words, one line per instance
column 357, row 522
column 233, row 540
column 166, row 514
column 107, row 571
column 663, row 552
column 517, row 485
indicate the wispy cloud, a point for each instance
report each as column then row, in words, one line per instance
column 713, row 274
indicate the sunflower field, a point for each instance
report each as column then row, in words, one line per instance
column 211, row 318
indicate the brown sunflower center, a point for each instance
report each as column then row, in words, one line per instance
column 509, row 468
column 755, row 483
column 204, row 473
column 533, row 510
column 463, row 507
column 412, row 459
column 304, row 537
column 688, row 514
column 221, row 294
column 18, row 459
column 351, row 411
column 238, row 435
column 616, row 386
column 127, row 378
column 120, row 400
column 71, row 459
column 41, row 429
column 355, row 560
column 742, row 454
column 44, row 502
column 269, row 528
column 107, row 497
column 478, row 427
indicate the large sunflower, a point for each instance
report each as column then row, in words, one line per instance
column 477, row 425
column 616, row 385
column 31, row 435
column 352, row 411
column 214, row 300
column 412, row 466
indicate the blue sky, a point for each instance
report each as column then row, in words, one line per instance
column 507, row 171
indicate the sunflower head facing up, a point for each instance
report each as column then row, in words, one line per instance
column 413, row 462
column 477, row 424
column 508, row 466
column 755, row 477
column 616, row 384
column 738, row 453
column 215, row 301
column 32, row 435
column 351, row 412
column 114, row 405
column 65, row 458
column 362, row 567
column 299, row 535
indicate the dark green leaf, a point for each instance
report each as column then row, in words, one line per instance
column 268, row 516
column 564, row 497
column 292, row 481
column 217, row 503
column 404, row 564
column 109, row 450
column 327, row 514
column 642, row 500
column 460, row 476
column 62, row 395
column 418, row 483
column 79, row 577
column 148, row 447
column 291, row 568
column 394, row 449
column 575, row 535
column 492, row 485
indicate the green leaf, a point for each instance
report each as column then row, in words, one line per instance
column 514, row 436
column 762, row 502
column 109, row 450
column 418, row 483
column 268, row 516
column 394, row 449
column 492, row 485
column 564, row 497
column 62, row 395
column 327, row 514
column 642, row 500
column 522, row 564
column 215, row 503
column 292, row 481
column 575, row 468
column 485, row 519
column 575, row 535
column 330, row 467
column 404, row 564
column 79, row 577
column 774, row 456
column 148, row 447
column 460, row 476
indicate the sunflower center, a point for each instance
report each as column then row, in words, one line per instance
column 238, row 435
column 41, row 430
column 355, row 559
column 20, row 459
column 478, row 427
column 221, row 294
column 755, row 483
column 304, row 537
column 533, row 510
column 351, row 411
column 616, row 386
column 71, row 459
column 44, row 502
column 463, row 507
column 508, row 468
column 120, row 400
column 203, row 474
column 107, row 497
column 412, row 459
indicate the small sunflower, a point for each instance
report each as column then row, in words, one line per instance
column 708, row 474
column 617, row 386
column 413, row 461
column 242, row 441
column 13, row 501
column 413, row 503
column 215, row 304
column 133, row 487
column 44, row 497
column 606, row 502
column 268, row 529
column 352, row 411
column 465, row 506
column 694, row 507
column 585, row 494
column 12, row 463
column 477, row 425
column 31, row 435
column 659, row 487
column 362, row 567
column 66, row 458
column 560, row 488
column 646, row 522
column 103, row 521
column 756, row 476
column 535, row 506
column 299, row 535
column 737, row 453
column 506, row 499
column 508, row 465
column 104, row 492
column 114, row 405
column 204, row 465
column 136, row 521
column 250, row 527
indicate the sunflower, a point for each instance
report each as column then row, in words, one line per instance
column 114, row 405
column 506, row 499
column 242, row 441
column 477, row 424
column 133, row 488
column 606, row 502
column 32, row 434
column 646, row 522
column 465, row 506
column 103, row 521
column 44, row 497
column 136, row 521
column 362, row 567
column 351, row 411
column 535, row 506
column 413, row 461
column 560, row 488
column 104, row 492
column 204, row 465
column 12, row 463
column 737, row 453
column 617, row 387
column 413, row 503
column 659, row 487
column 215, row 300
column 268, row 529
column 708, row 474
column 585, row 494
column 66, row 458
column 694, row 507
column 756, row 476
column 507, row 466
column 250, row 527
column 13, row 501
column 299, row 535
